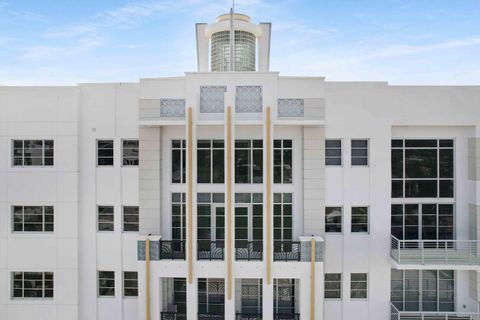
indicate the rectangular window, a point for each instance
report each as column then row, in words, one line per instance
column 105, row 152
column 283, row 298
column 333, row 152
column 179, row 161
column 358, row 286
column 32, row 285
column 282, row 216
column 210, row 161
column 130, row 152
column 360, row 219
column 427, row 221
column 423, row 290
column 33, row 219
column 359, row 152
column 282, row 161
column 248, row 161
column 211, row 297
column 33, row 153
column 333, row 285
column 333, row 219
column 130, row 218
column 210, row 219
column 178, row 216
column 106, row 283
column 130, row 284
column 422, row 168
column 105, row 218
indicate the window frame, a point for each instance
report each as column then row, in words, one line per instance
column 211, row 150
column 359, row 157
column 341, row 153
column 368, row 220
column 183, row 160
column 98, row 219
column 438, row 179
column 125, row 287
column 43, row 289
column 183, row 214
column 356, row 289
column 123, row 152
column 43, row 223
column 341, row 220
column 43, row 157
column 251, row 176
column 129, row 223
column 282, row 215
column 99, row 295
column 340, row 282
column 282, row 164
column 97, row 156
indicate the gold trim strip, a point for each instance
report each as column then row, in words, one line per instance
column 229, row 202
column 147, row 279
column 312, row 279
column 189, row 194
column 269, row 195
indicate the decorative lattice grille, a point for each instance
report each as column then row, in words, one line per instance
column 172, row 108
column 248, row 99
column 291, row 108
column 212, row 99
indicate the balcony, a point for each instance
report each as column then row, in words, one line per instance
column 395, row 314
column 172, row 316
column 286, row 251
column 457, row 254
column 172, row 250
column 248, row 251
column 210, row 250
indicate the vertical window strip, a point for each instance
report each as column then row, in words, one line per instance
column 210, row 161
column 179, row 160
column 178, row 216
column 248, row 161
column 282, row 161
column 282, row 216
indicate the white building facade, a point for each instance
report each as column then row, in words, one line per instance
column 239, row 195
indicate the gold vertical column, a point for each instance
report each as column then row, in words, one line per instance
column 312, row 279
column 189, row 195
column 147, row 279
column 229, row 232
column 268, row 184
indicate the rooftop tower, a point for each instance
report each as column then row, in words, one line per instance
column 252, row 44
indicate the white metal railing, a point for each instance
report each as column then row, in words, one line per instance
column 395, row 314
column 428, row 252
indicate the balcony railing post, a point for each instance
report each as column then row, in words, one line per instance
column 422, row 247
column 446, row 253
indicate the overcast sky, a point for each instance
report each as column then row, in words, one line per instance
column 45, row 42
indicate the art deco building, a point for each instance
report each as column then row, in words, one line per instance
column 239, row 195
